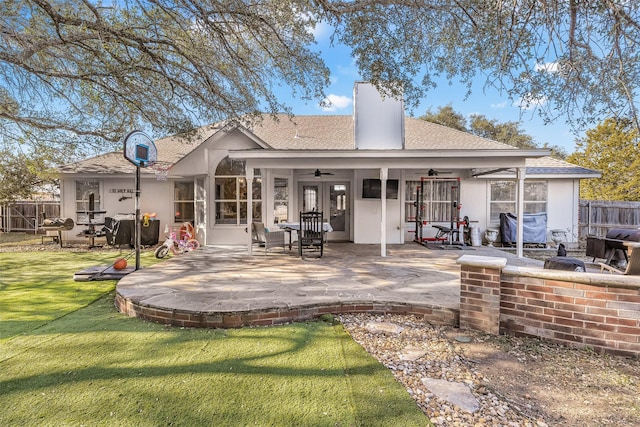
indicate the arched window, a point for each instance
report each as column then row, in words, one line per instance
column 231, row 193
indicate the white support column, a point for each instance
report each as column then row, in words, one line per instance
column 520, row 211
column 384, row 174
column 249, row 208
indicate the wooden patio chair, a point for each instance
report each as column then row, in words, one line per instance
column 633, row 263
column 266, row 238
column 311, row 234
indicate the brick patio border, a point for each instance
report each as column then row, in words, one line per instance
column 276, row 316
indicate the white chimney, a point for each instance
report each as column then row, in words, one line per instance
column 379, row 122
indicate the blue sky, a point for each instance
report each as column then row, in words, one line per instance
column 488, row 102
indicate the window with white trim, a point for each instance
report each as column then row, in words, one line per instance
column 436, row 200
column 87, row 191
column 231, row 193
column 503, row 198
column 280, row 200
column 183, row 201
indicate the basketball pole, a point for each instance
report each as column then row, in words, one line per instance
column 140, row 150
column 138, row 228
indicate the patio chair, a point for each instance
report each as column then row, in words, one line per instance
column 265, row 238
column 311, row 234
column 633, row 264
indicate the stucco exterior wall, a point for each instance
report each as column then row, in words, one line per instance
column 155, row 197
column 562, row 207
column 367, row 213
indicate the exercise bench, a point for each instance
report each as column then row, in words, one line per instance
column 446, row 233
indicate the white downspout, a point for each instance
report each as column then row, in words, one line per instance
column 384, row 174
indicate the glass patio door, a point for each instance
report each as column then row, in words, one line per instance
column 332, row 199
column 338, row 214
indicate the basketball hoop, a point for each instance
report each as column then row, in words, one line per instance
column 161, row 170
column 140, row 150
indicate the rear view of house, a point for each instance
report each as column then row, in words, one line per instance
column 231, row 174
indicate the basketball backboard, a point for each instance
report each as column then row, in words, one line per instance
column 139, row 149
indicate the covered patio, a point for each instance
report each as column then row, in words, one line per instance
column 224, row 287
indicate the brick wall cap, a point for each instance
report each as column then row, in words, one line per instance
column 482, row 261
column 594, row 279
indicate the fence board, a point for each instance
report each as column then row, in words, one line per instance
column 596, row 217
column 27, row 215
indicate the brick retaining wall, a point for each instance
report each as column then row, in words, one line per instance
column 275, row 316
column 598, row 311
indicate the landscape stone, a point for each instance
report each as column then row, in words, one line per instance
column 455, row 393
column 384, row 328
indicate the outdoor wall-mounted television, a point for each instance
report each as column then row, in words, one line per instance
column 372, row 188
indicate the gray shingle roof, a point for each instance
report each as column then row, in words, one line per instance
column 306, row 132
column 549, row 165
column 337, row 133
column 318, row 132
column 170, row 150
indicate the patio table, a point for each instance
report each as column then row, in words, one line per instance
column 289, row 227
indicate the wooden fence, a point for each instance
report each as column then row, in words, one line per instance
column 596, row 217
column 27, row 215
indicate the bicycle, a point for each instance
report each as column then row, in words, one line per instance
column 185, row 243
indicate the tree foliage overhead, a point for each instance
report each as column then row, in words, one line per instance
column 96, row 71
column 611, row 148
column 86, row 72
column 100, row 72
column 575, row 58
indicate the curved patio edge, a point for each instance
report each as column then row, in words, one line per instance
column 280, row 315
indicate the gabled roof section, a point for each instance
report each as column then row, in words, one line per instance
column 542, row 167
column 423, row 135
column 171, row 150
column 109, row 163
column 549, row 165
column 314, row 135
column 336, row 132
column 306, row 132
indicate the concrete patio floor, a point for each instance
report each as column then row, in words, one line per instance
column 222, row 286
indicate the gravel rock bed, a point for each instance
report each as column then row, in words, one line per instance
column 516, row 381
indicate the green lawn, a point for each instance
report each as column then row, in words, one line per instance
column 67, row 357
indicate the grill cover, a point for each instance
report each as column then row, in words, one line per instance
column 564, row 263
column 534, row 228
column 616, row 236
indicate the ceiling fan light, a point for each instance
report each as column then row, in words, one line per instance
column 317, row 173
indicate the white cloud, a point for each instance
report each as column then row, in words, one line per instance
column 336, row 102
column 351, row 70
column 499, row 105
column 530, row 102
column 550, row 67
column 321, row 30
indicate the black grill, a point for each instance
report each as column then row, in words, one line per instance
column 58, row 225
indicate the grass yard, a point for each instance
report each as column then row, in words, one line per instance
column 67, row 357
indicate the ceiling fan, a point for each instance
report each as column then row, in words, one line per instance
column 433, row 172
column 317, row 173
